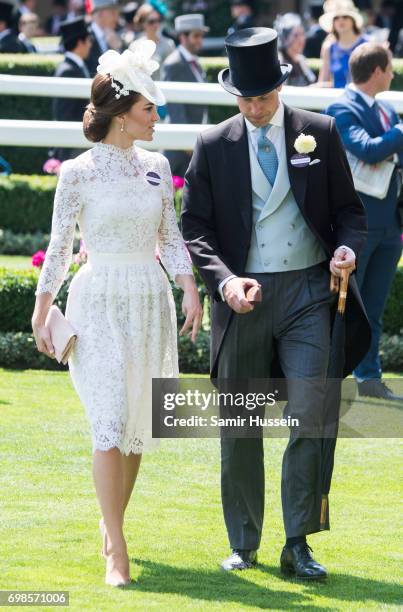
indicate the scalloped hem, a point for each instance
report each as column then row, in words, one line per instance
column 134, row 448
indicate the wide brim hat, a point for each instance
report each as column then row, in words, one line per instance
column 74, row 28
column 339, row 8
column 254, row 66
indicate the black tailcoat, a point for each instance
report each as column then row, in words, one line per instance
column 217, row 213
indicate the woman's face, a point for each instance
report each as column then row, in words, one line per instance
column 140, row 120
column 296, row 40
column 343, row 24
column 153, row 23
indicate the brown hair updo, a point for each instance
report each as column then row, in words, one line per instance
column 104, row 106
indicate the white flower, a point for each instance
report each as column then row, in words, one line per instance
column 305, row 143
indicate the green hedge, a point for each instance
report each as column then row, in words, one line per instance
column 27, row 160
column 17, row 345
column 12, row 243
column 18, row 350
column 30, row 160
column 17, row 299
column 393, row 317
column 26, row 202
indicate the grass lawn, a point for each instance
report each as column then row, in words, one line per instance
column 15, row 261
column 176, row 536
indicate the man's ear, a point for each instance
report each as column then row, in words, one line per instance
column 279, row 88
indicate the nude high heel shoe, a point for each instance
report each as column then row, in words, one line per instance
column 113, row 576
column 115, row 569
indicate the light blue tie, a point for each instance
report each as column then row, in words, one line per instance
column 266, row 155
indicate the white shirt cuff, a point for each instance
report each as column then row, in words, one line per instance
column 221, row 285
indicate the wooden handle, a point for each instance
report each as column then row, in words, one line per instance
column 334, row 283
column 345, row 275
column 254, row 295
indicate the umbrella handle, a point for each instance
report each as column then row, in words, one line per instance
column 334, row 283
column 345, row 275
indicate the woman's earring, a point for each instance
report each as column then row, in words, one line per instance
column 122, row 127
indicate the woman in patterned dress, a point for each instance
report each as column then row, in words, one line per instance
column 120, row 302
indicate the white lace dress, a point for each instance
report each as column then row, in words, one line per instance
column 120, row 302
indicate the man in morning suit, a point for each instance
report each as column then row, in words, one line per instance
column 105, row 19
column 253, row 214
column 76, row 40
column 9, row 42
column 372, row 131
column 183, row 65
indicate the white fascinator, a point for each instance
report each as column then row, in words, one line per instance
column 133, row 69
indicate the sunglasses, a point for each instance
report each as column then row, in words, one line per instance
column 153, row 21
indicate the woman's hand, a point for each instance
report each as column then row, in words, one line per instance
column 42, row 339
column 191, row 306
column 41, row 332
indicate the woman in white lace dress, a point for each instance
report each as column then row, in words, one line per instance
column 120, row 302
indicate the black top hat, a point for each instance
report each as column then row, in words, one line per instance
column 6, row 11
column 254, row 67
column 74, row 28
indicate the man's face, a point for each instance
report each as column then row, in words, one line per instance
column 193, row 41
column 86, row 47
column 237, row 10
column 29, row 25
column 108, row 18
column 259, row 109
column 385, row 78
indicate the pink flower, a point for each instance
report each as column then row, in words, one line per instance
column 38, row 258
column 178, row 182
column 81, row 256
column 52, row 166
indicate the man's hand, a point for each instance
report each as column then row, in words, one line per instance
column 235, row 294
column 342, row 258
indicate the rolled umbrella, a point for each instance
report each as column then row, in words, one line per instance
column 333, row 393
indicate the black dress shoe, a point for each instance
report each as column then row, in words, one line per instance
column 375, row 387
column 297, row 561
column 240, row 560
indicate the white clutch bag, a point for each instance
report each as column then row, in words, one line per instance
column 62, row 334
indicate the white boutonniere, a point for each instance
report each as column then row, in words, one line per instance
column 304, row 145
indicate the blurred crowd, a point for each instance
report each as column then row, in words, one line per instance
column 330, row 30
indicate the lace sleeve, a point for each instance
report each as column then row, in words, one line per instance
column 66, row 209
column 173, row 251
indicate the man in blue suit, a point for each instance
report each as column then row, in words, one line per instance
column 372, row 132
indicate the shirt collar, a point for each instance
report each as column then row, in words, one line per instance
column 99, row 33
column 189, row 57
column 277, row 119
column 368, row 99
column 75, row 58
column 4, row 33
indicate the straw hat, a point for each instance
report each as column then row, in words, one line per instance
column 339, row 8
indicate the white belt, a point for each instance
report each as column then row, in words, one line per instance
column 136, row 257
